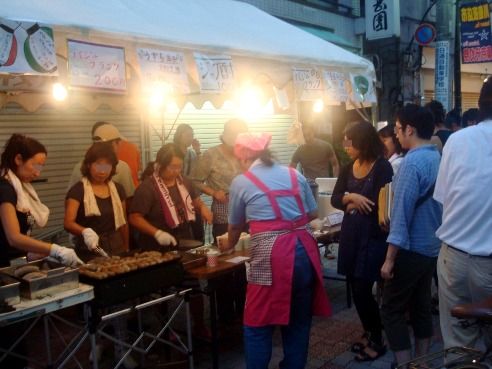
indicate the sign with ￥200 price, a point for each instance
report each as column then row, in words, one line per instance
column 96, row 66
column 215, row 72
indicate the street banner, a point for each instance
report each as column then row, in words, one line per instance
column 96, row 66
column 159, row 67
column 215, row 72
column 382, row 19
column 442, row 92
column 476, row 41
column 308, row 83
column 27, row 48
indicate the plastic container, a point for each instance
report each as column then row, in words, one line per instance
column 212, row 258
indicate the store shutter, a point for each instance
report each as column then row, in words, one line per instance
column 66, row 135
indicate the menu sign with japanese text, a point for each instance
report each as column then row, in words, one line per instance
column 382, row 19
column 476, row 41
column 96, row 66
column 308, row 83
column 27, row 48
column 336, row 86
column 161, row 66
column 215, row 72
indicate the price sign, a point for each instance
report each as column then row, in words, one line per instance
column 96, row 66
column 308, row 84
column 336, row 86
column 161, row 66
column 216, row 73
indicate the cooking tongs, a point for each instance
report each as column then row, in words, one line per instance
column 101, row 252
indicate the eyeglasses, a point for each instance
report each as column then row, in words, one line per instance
column 175, row 168
column 103, row 168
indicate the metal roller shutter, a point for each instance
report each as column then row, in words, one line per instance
column 66, row 135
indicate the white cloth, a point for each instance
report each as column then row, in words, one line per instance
column 90, row 203
column 28, row 200
column 462, row 187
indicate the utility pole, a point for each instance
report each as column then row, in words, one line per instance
column 443, row 80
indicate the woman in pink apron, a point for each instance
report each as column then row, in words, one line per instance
column 285, row 285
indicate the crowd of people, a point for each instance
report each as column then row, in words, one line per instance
column 440, row 216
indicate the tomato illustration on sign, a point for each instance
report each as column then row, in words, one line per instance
column 39, row 49
column 8, row 46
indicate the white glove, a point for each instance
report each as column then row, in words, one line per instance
column 91, row 239
column 64, row 255
column 164, row 238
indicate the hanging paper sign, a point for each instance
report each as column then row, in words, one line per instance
column 26, row 48
column 96, row 66
column 160, row 66
column 336, row 86
column 215, row 72
column 307, row 83
column 362, row 88
column 476, row 41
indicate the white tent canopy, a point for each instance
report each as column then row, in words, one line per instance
column 263, row 48
column 220, row 25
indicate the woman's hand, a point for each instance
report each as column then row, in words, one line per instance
column 220, row 196
column 206, row 214
column 361, row 203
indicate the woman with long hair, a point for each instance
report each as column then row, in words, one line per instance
column 362, row 245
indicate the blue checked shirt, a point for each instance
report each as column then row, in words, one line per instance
column 414, row 228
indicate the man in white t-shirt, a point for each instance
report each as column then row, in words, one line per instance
column 465, row 260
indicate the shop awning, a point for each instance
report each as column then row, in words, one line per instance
column 258, row 42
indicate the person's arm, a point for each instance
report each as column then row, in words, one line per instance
column 124, row 229
column 332, row 158
column 199, row 174
column 295, row 159
column 69, row 221
column 141, row 224
column 436, row 141
column 233, row 232
column 205, row 212
column 389, row 262
column 15, row 238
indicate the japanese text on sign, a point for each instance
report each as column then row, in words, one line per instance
column 161, row 66
column 96, row 66
column 476, row 40
column 335, row 86
column 307, row 82
column 216, row 73
column 441, row 73
column 382, row 19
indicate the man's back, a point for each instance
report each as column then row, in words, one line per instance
column 314, row 158
column 465, row 176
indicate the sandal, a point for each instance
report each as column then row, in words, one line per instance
column 359, row 346
column 363, row 355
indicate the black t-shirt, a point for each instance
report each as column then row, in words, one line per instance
column 146, row 201
column 8, row 195
column 103, row 224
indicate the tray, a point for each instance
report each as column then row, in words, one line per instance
column 203, row 250
column 9, row 290
column 58, row 278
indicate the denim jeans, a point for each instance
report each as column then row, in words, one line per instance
column 295, row 336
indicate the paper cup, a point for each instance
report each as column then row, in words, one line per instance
column 212, row 258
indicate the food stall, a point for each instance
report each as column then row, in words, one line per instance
column 161, row 63
column 148, row 65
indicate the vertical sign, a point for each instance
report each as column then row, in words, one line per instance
column 382, row 19
column 442, row 92
column 216, row 74
column 336, row 86
column 476, row 41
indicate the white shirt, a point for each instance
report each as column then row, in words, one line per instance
column 463, row 188
column 395, row 161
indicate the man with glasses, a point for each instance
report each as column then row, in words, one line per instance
column 412, row 244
